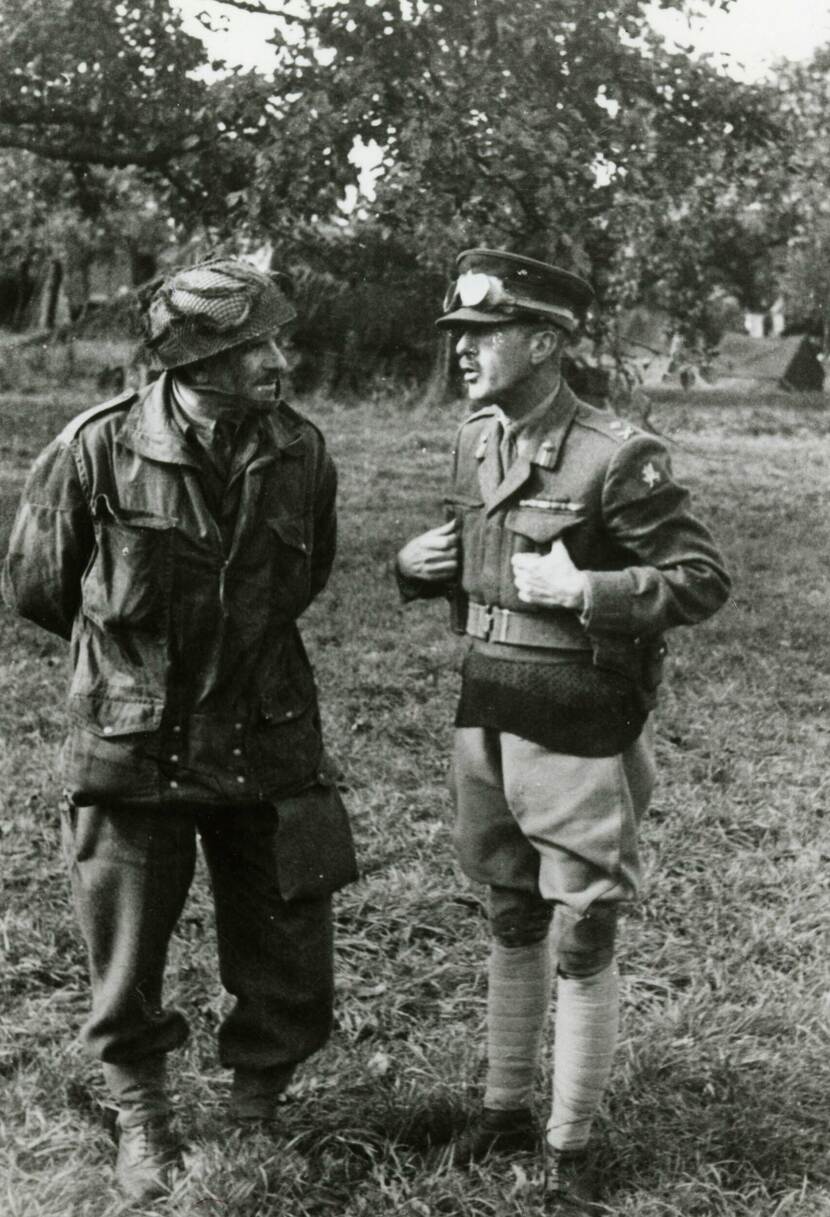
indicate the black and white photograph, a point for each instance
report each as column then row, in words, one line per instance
column 415, row 608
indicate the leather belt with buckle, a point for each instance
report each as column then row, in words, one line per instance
column 492, row 624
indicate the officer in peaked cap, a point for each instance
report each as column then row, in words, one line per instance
column 568, row 550
column 175, row 535
column 491, row 285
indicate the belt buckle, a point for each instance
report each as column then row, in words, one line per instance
column 502, row 626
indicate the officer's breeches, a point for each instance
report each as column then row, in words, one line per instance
column 130, row 873
column 545, row 830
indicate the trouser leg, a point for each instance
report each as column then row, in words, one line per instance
column 130, row 872
column 275, row 956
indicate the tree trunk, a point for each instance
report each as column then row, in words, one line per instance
column 49, row 299
column 439, row 387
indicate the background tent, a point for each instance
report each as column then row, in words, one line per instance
column 748, row 363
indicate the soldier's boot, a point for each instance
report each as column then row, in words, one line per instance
column 497, row 1132
column 570, row 1183
column 148, row 1155
column 258, row 1094
column 148, row 1152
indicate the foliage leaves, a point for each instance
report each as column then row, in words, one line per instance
column 565, row 130
column 90, row 83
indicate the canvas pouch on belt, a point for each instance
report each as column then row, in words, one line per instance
column 315, row 850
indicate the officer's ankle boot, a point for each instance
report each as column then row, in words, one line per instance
column 497, row 1132
column 571, row 1181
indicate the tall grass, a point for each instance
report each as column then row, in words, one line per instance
column 719, row 1102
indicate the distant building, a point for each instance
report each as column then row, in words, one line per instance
column 768, row 324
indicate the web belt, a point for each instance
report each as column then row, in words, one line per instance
column 493, row 624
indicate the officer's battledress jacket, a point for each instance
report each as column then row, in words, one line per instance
column 606, row 490
column 188, row 672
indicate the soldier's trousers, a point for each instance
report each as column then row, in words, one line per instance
column 131, row 872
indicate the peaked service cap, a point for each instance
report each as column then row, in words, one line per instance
column 493, row 285
column 211, row 307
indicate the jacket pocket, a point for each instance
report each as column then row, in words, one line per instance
column 111, row 718
column 291, row 560
column 128, row 579
column 286, row 741
column 539, row 527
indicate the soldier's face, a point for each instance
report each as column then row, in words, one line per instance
column 495, row 361
column 250, row 371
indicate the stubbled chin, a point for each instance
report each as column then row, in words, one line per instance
column 262, row 397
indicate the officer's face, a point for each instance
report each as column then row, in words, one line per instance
column 250, row 371
column 496, row 362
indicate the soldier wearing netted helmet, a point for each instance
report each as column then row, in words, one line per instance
column 173, row 536
column 568, row 550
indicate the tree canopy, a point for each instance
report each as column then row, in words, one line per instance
column 804, row 98
column 567, row 130
column 90, row 84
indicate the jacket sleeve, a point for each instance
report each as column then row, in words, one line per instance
column 411, row 588
column 325, row 526
column 51, row 543
column 423, row 589
column 677, row 576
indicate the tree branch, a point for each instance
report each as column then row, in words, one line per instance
column 260, row 7
column 92, row 153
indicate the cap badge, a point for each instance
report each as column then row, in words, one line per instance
column 472, row 288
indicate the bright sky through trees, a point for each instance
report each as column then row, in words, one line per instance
column 754, row 33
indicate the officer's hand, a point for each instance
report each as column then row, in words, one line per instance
column 433, row 555
column 549, row 580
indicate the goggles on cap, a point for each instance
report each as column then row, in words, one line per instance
column 475, row 289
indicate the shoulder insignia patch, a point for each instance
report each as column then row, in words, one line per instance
column 650, row 475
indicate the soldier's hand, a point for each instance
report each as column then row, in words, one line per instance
column 549, row 580
column 433, row 555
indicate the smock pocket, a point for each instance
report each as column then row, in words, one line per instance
column 111, row 718
column 291, row 553
column 286, row 743
column 127, row 582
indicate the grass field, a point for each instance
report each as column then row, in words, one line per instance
column 720, row 1102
